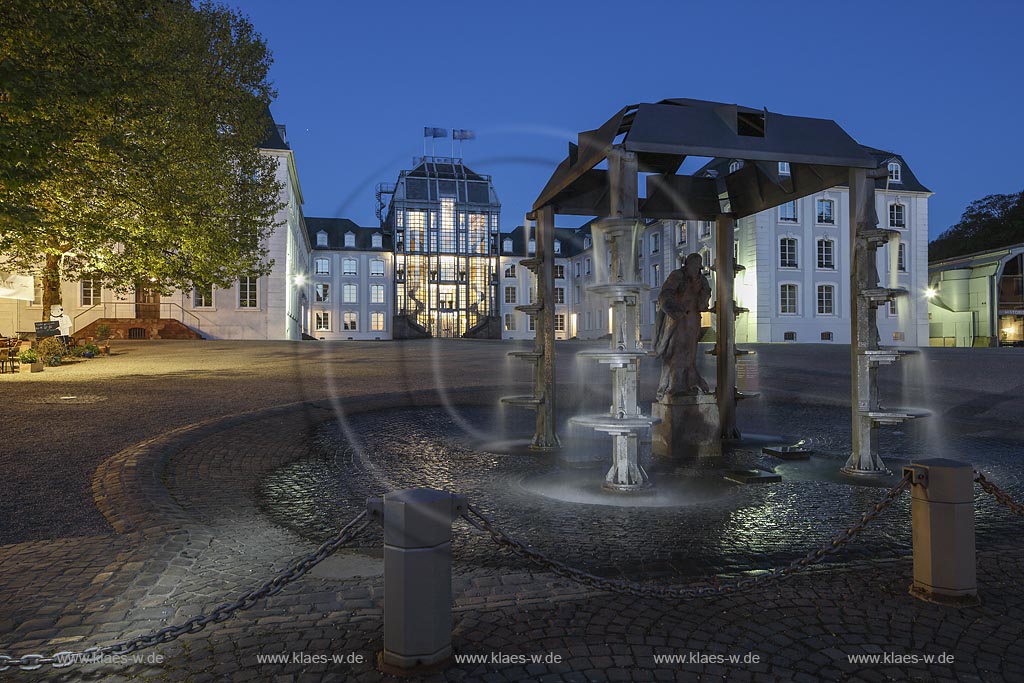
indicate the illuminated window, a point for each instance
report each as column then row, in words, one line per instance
column 323, row 321
column 787, row 212
column 349, row 266
column 416, row 222
column 897, row 216
column 376, row 294
column 376, row 268
column 377, row 321
column 322, row 266
column 349, row 321
column 447, row 232
column 350, row 293
column 787, row 252
column 510, row 295
column 202, row 296
column 787, row 299
column 825, row 215
column 826, row 300
column 826, row 254
column 322, row 293
column 247, row 292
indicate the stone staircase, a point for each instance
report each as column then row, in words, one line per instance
column 139, row 328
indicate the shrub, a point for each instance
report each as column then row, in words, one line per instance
column 28, row 356
column 91, row 348
column 50, row 347
column 53, row 361
column 77, row 351
column 102, row 332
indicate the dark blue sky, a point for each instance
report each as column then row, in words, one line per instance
column 939, row 82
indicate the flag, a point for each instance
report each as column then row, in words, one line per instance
column 429, row 132
column 463, row 134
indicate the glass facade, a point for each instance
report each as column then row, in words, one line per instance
column 445, row 222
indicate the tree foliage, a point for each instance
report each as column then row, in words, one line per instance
column 989, row 223
column 129, row 135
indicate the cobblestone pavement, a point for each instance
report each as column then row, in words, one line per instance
column 180, row 475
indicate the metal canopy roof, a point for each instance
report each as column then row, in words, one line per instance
column 662, row 135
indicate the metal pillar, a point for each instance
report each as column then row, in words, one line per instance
column 417, row 577
column 863, row 326
column 725, row 316
column 942, row 513
column 544, row 437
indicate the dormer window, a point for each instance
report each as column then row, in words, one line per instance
column 735, row 166
column 558, row 246
column 378, row 241
column 506, row 245
column 783, row 168
column 895, row 172
column 586, row 242
column 321, row 239
column 350, row 239
column 531, row 246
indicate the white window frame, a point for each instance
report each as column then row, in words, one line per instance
column 350, row 321
column 821, row 242
column 796, row 298
column 895, row 172
column 321, row 239
column 510, row 270
column 90, row 292
column 322, row 293
column 784, row 168
column 195, row 298
column 244, row 306
column 559, row 322
column 655, row 242
column 901, row 258
column 377, row 241
column 348, row 298
column 506, row 245
column 559, row 295
column 322, row 321
column 897, row 215
column 576, row 269
column 783, row 217
column 510, row 322
column 350, row 239
column 819, row 291
column 374, row 291
column 831, row 211
column 322, row 266
column 349, row 266
column 796, row 252
column 376, row 316
column 511, row 294
column 559, row 272
column 375, row 266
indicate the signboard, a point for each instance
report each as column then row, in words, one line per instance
column 50, row 328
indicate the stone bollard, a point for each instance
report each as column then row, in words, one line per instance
column 942, row 514
column 417, row 578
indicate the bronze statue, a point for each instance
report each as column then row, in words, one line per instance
column 684, row 295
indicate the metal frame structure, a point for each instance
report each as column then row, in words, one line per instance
column 658, row 138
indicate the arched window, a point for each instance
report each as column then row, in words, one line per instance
column 895, row 172
column 787, row 253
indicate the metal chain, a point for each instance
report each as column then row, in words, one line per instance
column 1000, row 495
column 272, row 586
column 713, row 587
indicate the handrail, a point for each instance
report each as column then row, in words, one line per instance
column 192, row 317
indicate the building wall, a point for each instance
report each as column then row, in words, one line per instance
column 363, row 307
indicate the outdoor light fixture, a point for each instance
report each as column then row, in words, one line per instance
column 300, row 280
column 930, row 293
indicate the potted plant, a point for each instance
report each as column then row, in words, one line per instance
column 90, row 350
column 30, row 359
column 103, row 338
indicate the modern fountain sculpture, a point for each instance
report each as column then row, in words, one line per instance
column 617, row 259
column 866, row 353
column 655, row 139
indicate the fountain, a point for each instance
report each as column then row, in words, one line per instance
column 624, row 422
column 655, row 139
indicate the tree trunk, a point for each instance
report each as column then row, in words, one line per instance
column 51, row 284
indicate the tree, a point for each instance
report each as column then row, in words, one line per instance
column 990, row 223
column 129, row 136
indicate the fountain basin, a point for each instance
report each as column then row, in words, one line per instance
column 614, row 425
column 614, row 358
column 618, row 291
column 894, row 416
column 522, row 401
